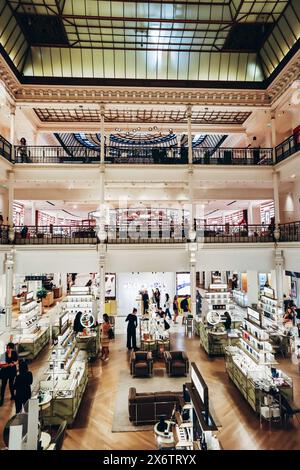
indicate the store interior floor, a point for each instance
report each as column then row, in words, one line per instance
column 92, row 429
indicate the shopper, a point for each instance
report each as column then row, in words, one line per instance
column 198, row 303
column 175, row 309
column 105, row 327
column 145, row 298
column 22, row 386
column 131, row 330
column 167, row 307
column 288, row 316
column 9, row 371
column 286, row 302
column 234, row 282
column 77, row 326
column 184, row 305
column 23, row 150
column 227, row 322
column 157, row 297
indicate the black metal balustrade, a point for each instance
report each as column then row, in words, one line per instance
column 288, row 147
column 290, row 232
column 142, row 155
column 140, row 233
column 233, row 156
column 5, row 148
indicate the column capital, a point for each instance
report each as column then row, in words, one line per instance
column 12, row 108
column 102, row 109
column 189, row 111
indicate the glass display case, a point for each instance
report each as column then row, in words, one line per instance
column 34, row 330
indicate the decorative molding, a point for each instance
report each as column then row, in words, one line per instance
column 26, row 94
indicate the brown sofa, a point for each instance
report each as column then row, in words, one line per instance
column 177, row 363
column 141, row 364
column 148, row 407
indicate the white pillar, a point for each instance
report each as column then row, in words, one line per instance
column 279, row 271
column 223, row 277
column 9, row 275
column 190, row 139
column 273, row 134
column 250, row 213
column 32, row 213
column 12, row 130
column 276, row 196
column 252, row 287
column 192, row 259
column 207, row 279
column 102, row 147
column 102, row 258
column 10, row 198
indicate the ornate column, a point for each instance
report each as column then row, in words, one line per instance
column 273, row 134
column 101, row 289
column 12, row 131
column 276, row 204
column 190, row 139
column 9, row 274
column 102, row 233
column 10, row 189
column 193, row 248
column 279, row 268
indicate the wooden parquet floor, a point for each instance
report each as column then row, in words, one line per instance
column 240, row 425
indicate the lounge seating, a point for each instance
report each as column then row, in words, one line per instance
column 148, row 407
column 141, row 364
column 177, row 363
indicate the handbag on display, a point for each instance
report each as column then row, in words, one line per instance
column 167, row 326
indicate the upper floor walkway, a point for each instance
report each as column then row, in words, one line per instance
column 149, row 155
column 139, row 233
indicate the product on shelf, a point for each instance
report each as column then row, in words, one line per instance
column 240, row 298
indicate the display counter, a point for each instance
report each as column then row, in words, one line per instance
column 251, row 379
column 57, row 292
column 34, row 342
column 65, row 379
column 89, row 342
column 214, row 342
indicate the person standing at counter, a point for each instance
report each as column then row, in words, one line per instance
column 184, row 305
column 167, row 306
column 131, row 330
column 22, row 386
column 227, row 322
column 9, row 371
column 157, row 297
column 105, row 327
column 77, row 326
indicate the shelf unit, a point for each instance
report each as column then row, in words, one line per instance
column 272, row 312
column 79, row 302
column 249, row 364
column 240, row 298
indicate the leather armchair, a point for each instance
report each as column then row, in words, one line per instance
column 177, row 363
column 141, row 364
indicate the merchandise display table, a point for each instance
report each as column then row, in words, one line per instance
column 214, row 343
column 34, row 343
column 89, row 343
column 248, row 385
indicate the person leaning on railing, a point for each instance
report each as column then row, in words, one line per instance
column 23, row 150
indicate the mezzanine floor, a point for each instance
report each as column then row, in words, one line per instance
column 240, row 425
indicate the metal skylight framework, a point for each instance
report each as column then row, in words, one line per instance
column 210, row 40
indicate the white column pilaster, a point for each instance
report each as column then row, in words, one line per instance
column 190, row 138
column 10, row 197
column 276, row 196
column 279, row 272
column 102, row 143
column 9, row 274
column 101, row 292
column 273, row 133
column 192, row 260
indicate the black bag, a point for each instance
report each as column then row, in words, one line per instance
column 111, row 333
column 167, row 326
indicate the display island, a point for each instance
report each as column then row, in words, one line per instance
column 34, row 332
column 65, row 379
column 213, row 336
column 251, row 364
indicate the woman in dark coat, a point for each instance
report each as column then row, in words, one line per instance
column 22, row 386
column 9, row 371
column 131, row 329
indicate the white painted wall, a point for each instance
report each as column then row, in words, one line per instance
column 129, row 284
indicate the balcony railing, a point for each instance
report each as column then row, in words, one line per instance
column 288, row 147
column 142, row 155
column 233, row 156
column 138, row 234
column 5, row 148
